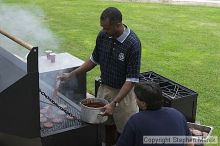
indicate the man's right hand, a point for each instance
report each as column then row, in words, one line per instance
column 64, row 77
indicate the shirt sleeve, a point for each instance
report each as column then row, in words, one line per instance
column 188, row 133
column 133, row 62
column 127, row 138
column 185, row 125
column 95, row 54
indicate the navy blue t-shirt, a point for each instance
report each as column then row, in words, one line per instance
column 162, row 122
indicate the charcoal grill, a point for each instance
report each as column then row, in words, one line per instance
column 175, row 95
column 20, row 104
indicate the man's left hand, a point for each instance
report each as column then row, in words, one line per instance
column 109, row 108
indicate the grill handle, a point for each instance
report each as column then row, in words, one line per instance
column 17, row 40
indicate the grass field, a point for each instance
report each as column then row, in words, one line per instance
column 178, row 42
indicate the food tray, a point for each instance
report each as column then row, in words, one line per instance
column 202, row 128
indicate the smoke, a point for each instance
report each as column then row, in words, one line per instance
column 26, row 24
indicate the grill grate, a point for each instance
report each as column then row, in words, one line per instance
column 169, row 89
column 66, row 124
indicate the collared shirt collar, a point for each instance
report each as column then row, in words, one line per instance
column 124, row 35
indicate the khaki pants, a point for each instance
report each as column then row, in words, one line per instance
column 127, row 107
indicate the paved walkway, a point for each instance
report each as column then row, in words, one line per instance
column 215, row 3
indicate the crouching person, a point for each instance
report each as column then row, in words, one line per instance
column 154, row 120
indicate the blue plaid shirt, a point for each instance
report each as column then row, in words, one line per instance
column 119, row 59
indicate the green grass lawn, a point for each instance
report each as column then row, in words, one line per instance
column 178, row 42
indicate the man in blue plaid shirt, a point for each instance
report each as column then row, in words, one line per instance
column 118, row 53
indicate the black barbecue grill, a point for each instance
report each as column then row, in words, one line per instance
column 20, row 104
column 175, row 95
column 169, row 88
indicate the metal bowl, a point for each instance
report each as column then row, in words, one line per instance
column 91, row 109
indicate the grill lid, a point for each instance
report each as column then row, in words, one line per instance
column 19, row 97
